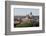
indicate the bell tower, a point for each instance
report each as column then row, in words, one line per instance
column 30, row 14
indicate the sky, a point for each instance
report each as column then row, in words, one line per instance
column 25, row 11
